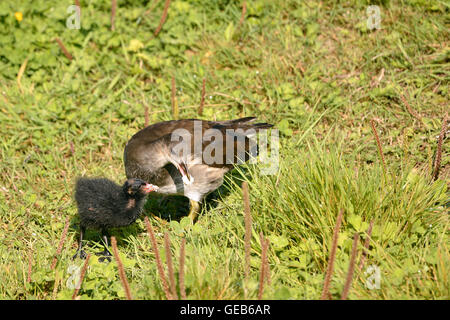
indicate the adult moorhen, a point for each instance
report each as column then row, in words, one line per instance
column 190, row 157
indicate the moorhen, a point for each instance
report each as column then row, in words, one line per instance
column 103, row 204
column 176, row 155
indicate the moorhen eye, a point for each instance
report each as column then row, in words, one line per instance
column 152, row 155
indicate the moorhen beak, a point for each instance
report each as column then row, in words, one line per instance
column 150, row 188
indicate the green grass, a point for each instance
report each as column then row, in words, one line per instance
column 311, row 68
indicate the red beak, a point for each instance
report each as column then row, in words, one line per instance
column 150, row 188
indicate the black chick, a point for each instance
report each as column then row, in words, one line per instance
column 103, row 204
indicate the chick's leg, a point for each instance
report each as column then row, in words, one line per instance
column 80, row 250
column 194, row 209
column 106, row 255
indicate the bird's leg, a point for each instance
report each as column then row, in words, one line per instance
column 80, row 251
column 194, row 208
column 106, row 255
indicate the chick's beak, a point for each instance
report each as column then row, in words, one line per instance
column 150, row 188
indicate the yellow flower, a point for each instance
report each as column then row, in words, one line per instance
column 18, row 16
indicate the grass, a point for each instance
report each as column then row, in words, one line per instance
column 311, row 68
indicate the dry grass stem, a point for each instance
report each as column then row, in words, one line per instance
column 351, row 268
column 61, row 243
column 410, row 110
column 202, row 100
column 437, row 162
column 171, row 273
column 248, row 228
column 72, row 148
column 63, row 48
column 380, row 149
column 330, row 267
column 158, row 259
column 146, row 118
column 77, row 3
column 80, row 281
column 20, row 74
column 267, row 267
column 123, row 277
column 181, row 270
column 55, row 285
column 163, row 17
column 244, row 11
column 366, row 245
column 377, row 79
column 113, row 14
